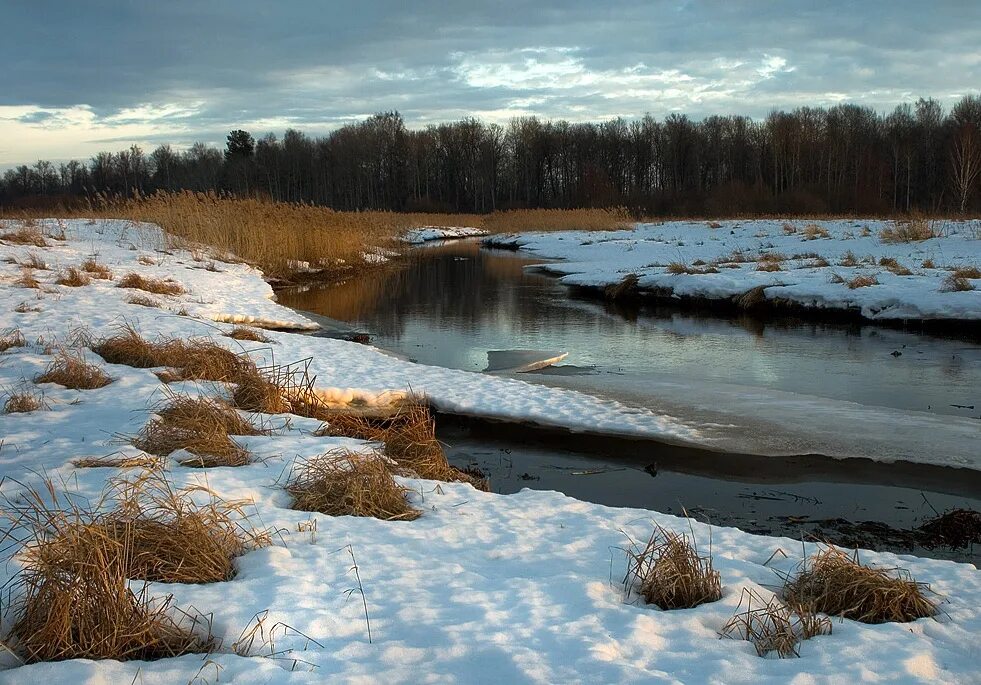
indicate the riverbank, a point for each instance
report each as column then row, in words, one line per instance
column 479, row 587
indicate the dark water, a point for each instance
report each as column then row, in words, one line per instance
column 451, row 303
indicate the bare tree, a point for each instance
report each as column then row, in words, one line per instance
column 965, row 163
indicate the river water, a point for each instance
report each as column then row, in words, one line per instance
column 449, row 304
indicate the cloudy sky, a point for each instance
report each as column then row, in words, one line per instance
column 78, row 77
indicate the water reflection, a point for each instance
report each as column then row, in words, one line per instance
column 448, row 304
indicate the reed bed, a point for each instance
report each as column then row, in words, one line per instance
column 833, row 582
column 70, row 369
column 669, row 573
column 349, row 484
column 772, row 626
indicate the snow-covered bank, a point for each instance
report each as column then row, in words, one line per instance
column 810, row 264
column 480, row 588
column 425, row 234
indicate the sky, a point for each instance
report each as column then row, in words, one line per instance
column 80, row 77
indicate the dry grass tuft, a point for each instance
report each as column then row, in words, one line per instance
column 713, row 224
column 409, row 436
column 257, row 393
column 146, row 260
column 863, row 281
column 151, row 285
column 834, row 583
column 770, row 261
column 752, row 297
column 12, row 338
column 849, row 259
column 201, row 426
column 773, row 626
column 625, row 288
column 349, row 485
column 73, row 597
column 669, row 573
column 967, row 272
column 23, row 402
column 72, row 371
column 25, row 235
column 911, row 230
column 892, row 265
column 142, row 301
column 954, row 283
column 789, row 228
column 192, row 359
column 928, row 264
column 34, row 261
column 99, row 271
column 27, row 279
column 73, row 278
column 694, row 270
column 246, row 333
column 813, row 232
column 139, row 461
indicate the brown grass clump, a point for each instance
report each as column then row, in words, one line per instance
column 789, row 228
column 848, row 259
column 409, row 436
column 813, row 232
column 967, row 272
column 928, row 264
column 863, row 281
column 73, row 597
column 99, row 271
column 713, row 224
column 27, row 279
column 73, row 278
column 246, row 333
column 192, row 359
column 954, row 283
column 25, row 235
column 772, row 626
column 151, row 285
column 911, row 230
column 142, row 301
column 146, row 260
column 892, row 265
column 23, row 402
column 139, row 461
column 257, row 393
column 834, row 583
column 201, row 426
column 34, row 261
column 669, row 573
column 624, row 288
column 72, row 371
column 12, row 338
column 765, row 265
column 349, row 485
column 752, row 297
column 694, row 270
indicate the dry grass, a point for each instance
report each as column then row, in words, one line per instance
column 12, row 338
column 151, row 285
column 194, row 359
column 27, row 279
column 789, row 228
column 246, row 333
column 72, row 371
column 766, row 265
column 23, row 308
column 892, row 265
column 849, row 259
column 834, row 583
column 142, row 301
column 201, row 426
column 34, row 261
column 954, row 283
column 813, row 232
column 752, row 297
column 967, row 272
column 23, row 402
column 99, row 271
column 73, row 277
column 928, row 264
column 669, row 573
column 409, row 436
column 772, row 626
column 556, row 220
column 625, row 288
column 257, row 393
column 25, row 235
column 862, row 281
column 911, row 230
column 694, row 270
column 146, row 260
column 73, row 598
column 138, row 461
column 348, row 485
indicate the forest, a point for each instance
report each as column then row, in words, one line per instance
column 812, row 160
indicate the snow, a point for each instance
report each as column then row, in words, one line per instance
column 482, row 588
column 427, row 233
column 597, row 259
column 521, row 361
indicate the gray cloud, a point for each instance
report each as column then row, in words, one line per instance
column 183, row 69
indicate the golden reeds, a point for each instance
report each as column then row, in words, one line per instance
column 348, row 484
column 669, row 573
column 835, row 583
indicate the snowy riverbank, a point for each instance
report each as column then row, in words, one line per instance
column 481, row 588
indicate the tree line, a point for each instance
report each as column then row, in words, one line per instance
column 843, row 159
